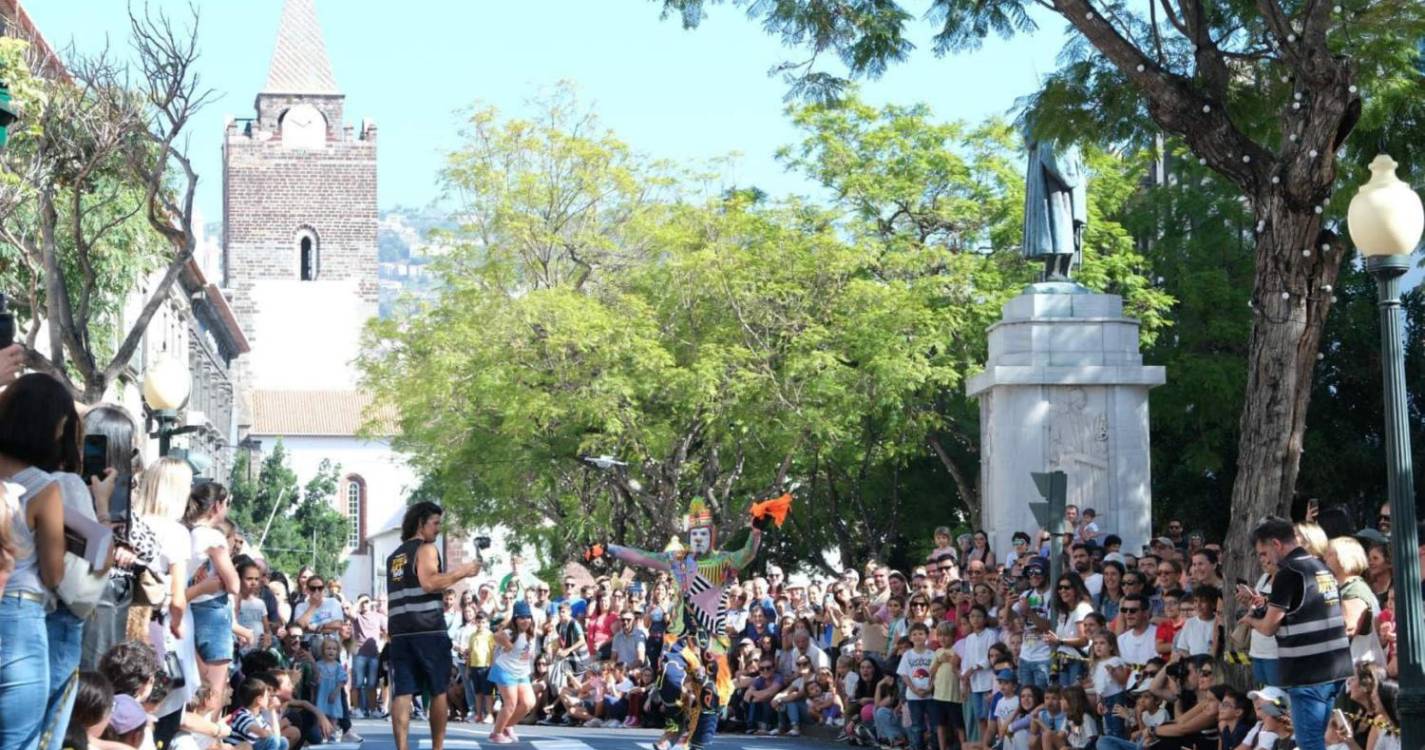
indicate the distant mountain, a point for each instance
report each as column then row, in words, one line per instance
column 404, row 250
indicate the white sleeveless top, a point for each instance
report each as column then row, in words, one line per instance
column 19, row 491
column 516, row 662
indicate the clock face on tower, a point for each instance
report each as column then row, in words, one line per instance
column 303, row 126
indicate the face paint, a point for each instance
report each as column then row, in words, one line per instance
column 700, row 540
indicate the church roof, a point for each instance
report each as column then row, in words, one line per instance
column 317, row 413
column 299, row 59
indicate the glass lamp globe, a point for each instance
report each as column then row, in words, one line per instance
column 1386, row 217
column 166, row 385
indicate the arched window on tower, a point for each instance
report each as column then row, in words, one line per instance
column 355, row 511
column 308, row 256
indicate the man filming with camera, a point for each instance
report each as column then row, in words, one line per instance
column 420, row 648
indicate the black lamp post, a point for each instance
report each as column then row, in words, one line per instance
column 1386, row 220
column 165, row 389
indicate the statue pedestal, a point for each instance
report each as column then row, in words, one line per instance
column 1065, row 388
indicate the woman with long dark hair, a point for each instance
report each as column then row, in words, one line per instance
column 37, row 421
column 136, row 543
column 1071, row 605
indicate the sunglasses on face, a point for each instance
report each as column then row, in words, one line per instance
column 1065, row 587
column 1129, row 610
column 765, row 668
column 315, row 587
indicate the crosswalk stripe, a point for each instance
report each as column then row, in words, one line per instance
column 560, row 745
column 450, row 744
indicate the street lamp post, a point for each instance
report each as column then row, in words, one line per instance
column 165, row 389
column 1386, row 220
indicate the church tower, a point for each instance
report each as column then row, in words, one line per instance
column 299, row 219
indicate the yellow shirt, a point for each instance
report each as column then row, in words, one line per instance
column 947, row 679
column 481, row 649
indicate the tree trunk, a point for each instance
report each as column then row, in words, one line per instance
column 1286, row 335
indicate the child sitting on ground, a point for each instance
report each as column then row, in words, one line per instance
column 256, row 721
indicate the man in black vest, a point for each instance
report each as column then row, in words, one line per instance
column 1304, row 614
column 420, row 647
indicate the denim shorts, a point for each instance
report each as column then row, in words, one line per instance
column 213, row 629
column 501, row 678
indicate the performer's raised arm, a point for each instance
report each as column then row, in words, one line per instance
column 741, row 558
column 641, row 558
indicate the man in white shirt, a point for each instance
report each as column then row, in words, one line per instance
column 801, row 640
column 1137, row 644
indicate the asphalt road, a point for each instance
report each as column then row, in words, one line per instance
column 377, row 734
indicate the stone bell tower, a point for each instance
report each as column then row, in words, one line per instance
column 299, row 218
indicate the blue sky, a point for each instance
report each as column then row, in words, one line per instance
column 670, row 93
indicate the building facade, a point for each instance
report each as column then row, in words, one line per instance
column 300, row 256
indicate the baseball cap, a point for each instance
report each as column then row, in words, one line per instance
column 522, row 609
column 1162, row 541
column 1271, row 701
column 1035, row 566
column 127, row 715
column 1373, row 537
column 1113, row 557
column 1006, row 675
column 746, row 642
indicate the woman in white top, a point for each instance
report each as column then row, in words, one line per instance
column 514, row 657
column 1071, row 605
column 212, row 595
column 39, row 433
column 160, row 501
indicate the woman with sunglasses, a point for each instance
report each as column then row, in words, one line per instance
column 1070, row 635
column 1195, row 725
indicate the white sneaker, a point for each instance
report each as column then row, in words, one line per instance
column 351, row 736
column 794, row 732
column 593, row 724
column 613, row 724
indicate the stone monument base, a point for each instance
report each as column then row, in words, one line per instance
column 1065, row 388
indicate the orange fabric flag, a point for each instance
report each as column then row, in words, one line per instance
column 777, row 508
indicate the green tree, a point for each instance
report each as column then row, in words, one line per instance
column 95, row 195
column 722, row 346
column 1264, row 95
column 292, row 526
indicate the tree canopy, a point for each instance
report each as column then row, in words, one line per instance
column 723, row 343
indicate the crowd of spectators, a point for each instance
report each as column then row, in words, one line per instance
column 185, row 638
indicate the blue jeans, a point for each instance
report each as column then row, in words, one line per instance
column 66, row 644
column 918, row 710
column 974, row 714
column 1116, row 743
column 24, row 671
column 365, row 675
column 795, row 712
column 1034, row 673
column 271, row 743
column 1113, row 724
column 1264, row 671
column 1071, row 671
column 1310, row 709
column 888, row 725
column 213, row 630
column 760, row 715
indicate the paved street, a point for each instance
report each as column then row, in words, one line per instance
column 473, row 737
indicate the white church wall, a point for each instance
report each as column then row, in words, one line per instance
column 310, row 331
